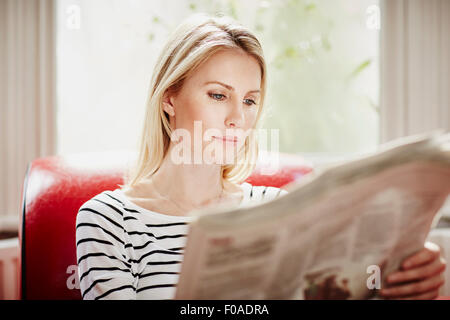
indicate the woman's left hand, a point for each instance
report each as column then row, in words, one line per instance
column 420, row 276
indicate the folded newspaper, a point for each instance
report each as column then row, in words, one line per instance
column 329, row 236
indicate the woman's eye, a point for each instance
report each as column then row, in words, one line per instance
column 217, row 96
column 249, row 102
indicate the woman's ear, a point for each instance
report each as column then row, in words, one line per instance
column 168, row 104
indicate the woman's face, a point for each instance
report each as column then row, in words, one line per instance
column 223, row 94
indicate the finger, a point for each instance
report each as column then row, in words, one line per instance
column 433, row 294
column 428, row 253
column 426, row 271
column 414, row 288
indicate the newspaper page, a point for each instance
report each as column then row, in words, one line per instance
column 336, row 235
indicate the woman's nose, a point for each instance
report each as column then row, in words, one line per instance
column 235, row 117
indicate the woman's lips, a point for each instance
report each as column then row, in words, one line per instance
column 227, row 139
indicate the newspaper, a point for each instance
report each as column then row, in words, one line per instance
column 329, row 236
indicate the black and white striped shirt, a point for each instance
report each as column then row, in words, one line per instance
column 127, row 252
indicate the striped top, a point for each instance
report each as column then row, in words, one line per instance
column 127, row 252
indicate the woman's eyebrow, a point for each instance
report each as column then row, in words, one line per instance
column 227, row 86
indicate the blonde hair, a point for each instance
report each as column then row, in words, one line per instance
column 191, row 44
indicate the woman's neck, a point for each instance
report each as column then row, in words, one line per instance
column 188, row 184
column 176, row 189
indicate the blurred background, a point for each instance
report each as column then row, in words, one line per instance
column 328, row 49
column 344, row 76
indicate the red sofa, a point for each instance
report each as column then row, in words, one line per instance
column 53, row 191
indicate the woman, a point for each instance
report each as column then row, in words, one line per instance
column 130, row 241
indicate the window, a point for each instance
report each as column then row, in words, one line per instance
column 323, row 60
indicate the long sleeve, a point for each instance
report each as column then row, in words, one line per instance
column 104, row 267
